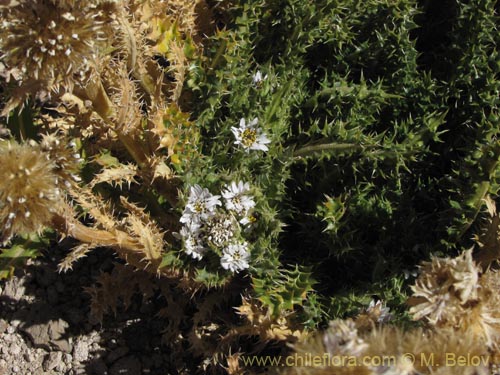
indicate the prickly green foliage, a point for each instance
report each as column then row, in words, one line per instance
column 284, row 291
column 383, row 120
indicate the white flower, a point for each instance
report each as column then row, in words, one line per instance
column 191, row 228
column 194, row 248
column 248, row 221
column 236, row 199
column 257, row 78
column 235, row 257
column 192, row 244
column 250, row 136
column 201, row 205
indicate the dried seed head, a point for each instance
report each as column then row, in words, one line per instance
column 51, row 41
column 25, row 198
column 444, row 288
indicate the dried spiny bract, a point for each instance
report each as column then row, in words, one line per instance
column 451, row 294
column 49, row 43
column 341, row 338
column 483, row 318
column 444, row 287
column 29, row 195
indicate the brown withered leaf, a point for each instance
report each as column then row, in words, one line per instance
column 143, row 228
column 95, row 207
column 116, row 175
column 78, row 252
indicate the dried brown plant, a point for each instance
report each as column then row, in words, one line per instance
column 53, row 44
column 444, row 287
column 30, row 192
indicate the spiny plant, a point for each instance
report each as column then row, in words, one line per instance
column 301, row 157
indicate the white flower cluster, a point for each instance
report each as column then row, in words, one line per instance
column 209, row 222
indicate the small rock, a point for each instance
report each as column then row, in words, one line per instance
column 116, row 354
column 53, row 360
column 15, row 369
column 49, row 334
column 14, row 288
column 15, row 349
column 81, row 351
column 63, row 345
column 9, row 337
column 60, row 368
column 37, row 334
column 3, row 326
column 11, row 329
column 126, row 366
column 57, row 330
column 68, row 358
column 29, row 357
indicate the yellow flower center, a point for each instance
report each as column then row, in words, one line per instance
column 198, row 207
column 248, row 137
